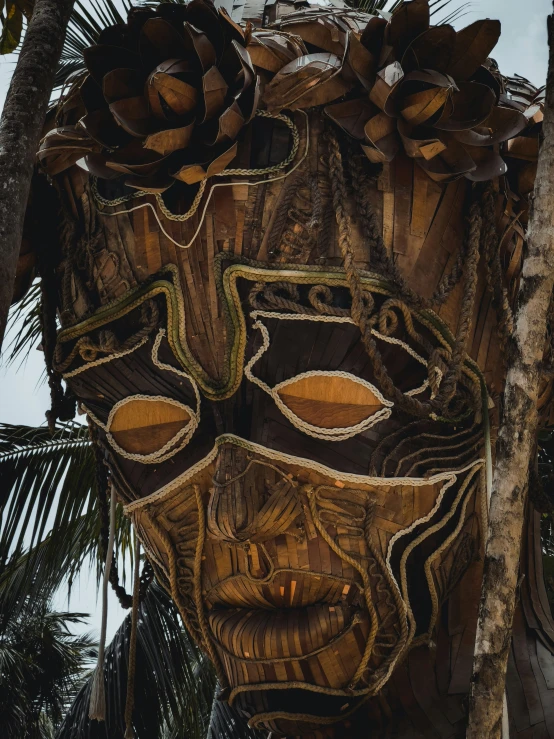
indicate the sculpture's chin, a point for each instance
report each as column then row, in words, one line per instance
column 293, row 712
column 287, row 669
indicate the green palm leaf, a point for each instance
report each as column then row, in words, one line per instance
column 174, row 683
column 41, row 667
column 49, row 522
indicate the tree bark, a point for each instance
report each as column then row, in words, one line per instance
column 516, row 441
column 21, row 128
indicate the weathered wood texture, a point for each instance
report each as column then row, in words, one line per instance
column 516, row 442
column 20, row 131
column 308, row 575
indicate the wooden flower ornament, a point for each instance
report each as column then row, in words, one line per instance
column 165, row 98
column 434, row 95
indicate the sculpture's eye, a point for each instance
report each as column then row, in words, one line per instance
column 144, row 426
column 330, row 401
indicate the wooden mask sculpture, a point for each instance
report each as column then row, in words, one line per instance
column 292, row 239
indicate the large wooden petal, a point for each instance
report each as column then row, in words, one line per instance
column 472, row 47
column 143, row 162
column 502, row 125
column 420, row 141
column 63, row 147
column 302, row 83
column 135, row 159
column 322, row 32
column 133, row 115
column 232, row 31
column 236, row 67
column 179, row 97
column 382, row 135
column 330, row 402
column 101, row 126
column 473, row 105
column 431, row 50
column 352, row 115
column 91, row 95
column 145, row 426
column 97, row 166
column 225, row 127
column 489, row 164
column 205, row 18
column 408, row 22
column 102, row 59
column 386, row 85
column 155, row 184
column 451, row 164
column 270, row 52
column 524, row 147
column 214, row 89
column 159, row 41
column 198, row 170
column 373, row 36
column 170, row 140
column 201, row 46
column 122, row 83
column 420, row 107
column 361, row 62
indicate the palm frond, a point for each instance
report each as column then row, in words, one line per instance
column 87, row 22
column 49, row 522
column 47, row 482
column 41, row 667
column 174, row 685
column 24, row 332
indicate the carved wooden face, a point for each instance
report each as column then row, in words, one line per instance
column 292, row 510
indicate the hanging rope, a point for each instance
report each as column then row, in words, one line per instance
column 360, row 313
column 490, row 244
column 131, row 668
column 97, row 707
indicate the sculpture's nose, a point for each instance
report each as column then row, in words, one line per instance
column 251, row 500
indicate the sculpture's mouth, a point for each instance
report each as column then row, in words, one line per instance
column 293, row 580
column 254, row 637
column 298, row 610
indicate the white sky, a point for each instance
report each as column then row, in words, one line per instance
column 522, row 49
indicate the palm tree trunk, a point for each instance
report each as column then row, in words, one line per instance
column 516, row 441
column 20, row 131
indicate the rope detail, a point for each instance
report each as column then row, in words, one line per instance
column 97, row 706
column 360, row 314
column 131, row 668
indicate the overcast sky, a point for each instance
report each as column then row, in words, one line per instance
column 522, row 50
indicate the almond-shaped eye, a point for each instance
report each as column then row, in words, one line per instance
column 145, row 426
column 329, row 401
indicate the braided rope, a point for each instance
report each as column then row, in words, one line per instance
column 179, row 440
column 131, row 667
column 167, row 544
column 491, row 252
column 359, row 313
column 334, row 434
column 192, row 210
column 471, row 469
column 269, row 170
column 166, row 490
column 88, row 350
column 362, row 571
column 197, row 582
column 102, row 360
column 343, row 319
column 445, row 544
